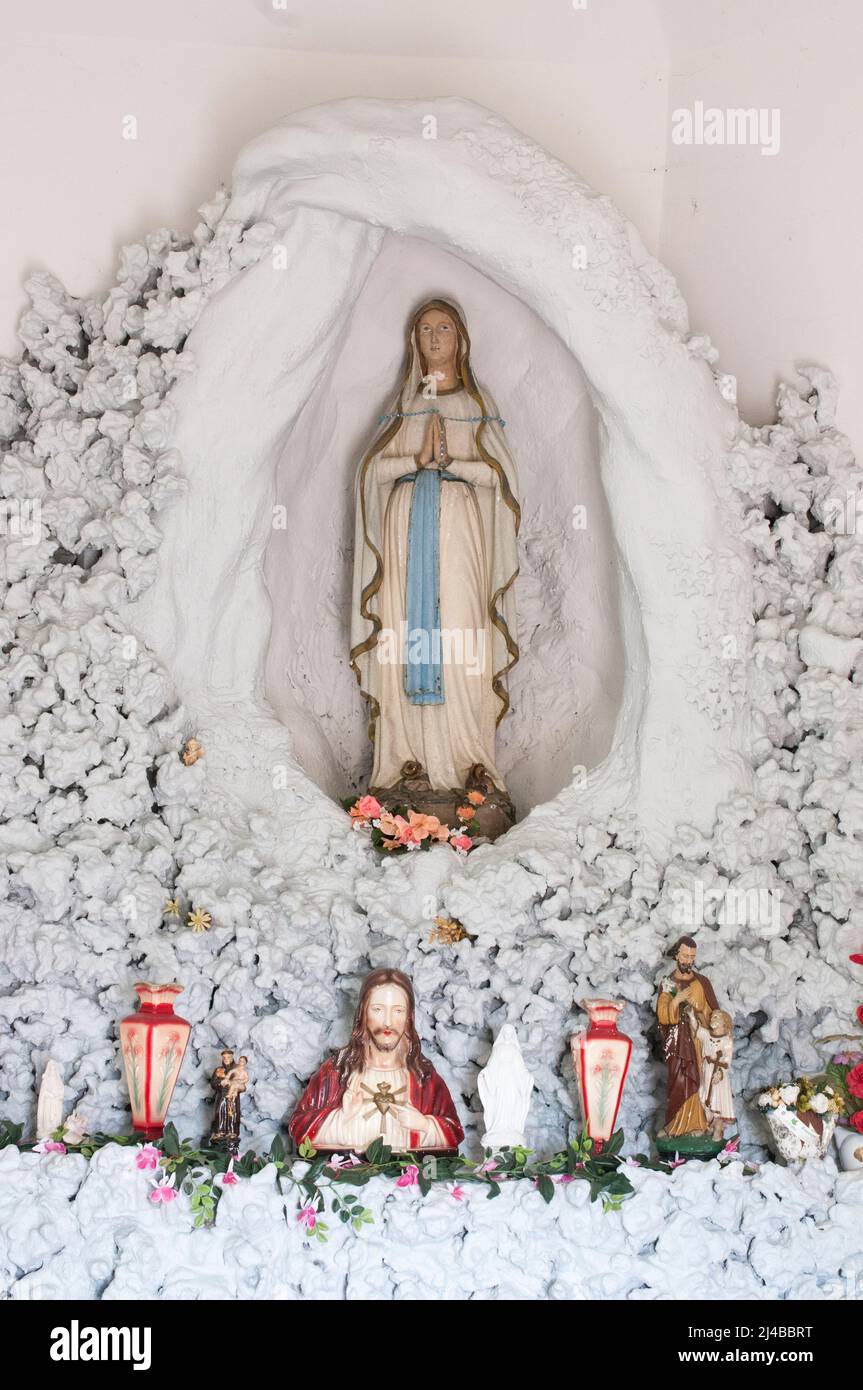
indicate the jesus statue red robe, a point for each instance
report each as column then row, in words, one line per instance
column 320, row 1117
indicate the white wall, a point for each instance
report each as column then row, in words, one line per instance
column 82, row 190
column 765, row 249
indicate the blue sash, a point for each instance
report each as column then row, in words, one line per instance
column 424, row 678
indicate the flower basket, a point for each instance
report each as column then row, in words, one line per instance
column 801, row 1116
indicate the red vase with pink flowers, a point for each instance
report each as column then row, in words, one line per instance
column 153, row 1042
column 601, row 1059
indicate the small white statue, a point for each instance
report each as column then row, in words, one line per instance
column 505, row 1086
column 49, row 1108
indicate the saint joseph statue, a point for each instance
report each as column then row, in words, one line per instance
column 433, row 632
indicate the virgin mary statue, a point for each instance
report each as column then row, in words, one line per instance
column 433, row 631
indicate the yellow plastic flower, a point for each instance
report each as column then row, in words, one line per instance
column 199, row 920
column 172, row 908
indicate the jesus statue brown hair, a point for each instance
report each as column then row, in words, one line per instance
column 379, row 1085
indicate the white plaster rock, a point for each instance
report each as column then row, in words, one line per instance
column 76, row 1230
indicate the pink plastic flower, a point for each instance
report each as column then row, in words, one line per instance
column 306, row 1216
column 488, row 1167
column 365, row 809
column 410, row 1176
column 461, row 842
column 229, row 1177
column 731, row 1148
column 49, row 1146
column 164, row 1190
column 147, row 1156
column 339, row 1161
column 566, row 1177
column 676, row 1162
column 456, row 1192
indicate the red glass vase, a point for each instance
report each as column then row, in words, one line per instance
column 601, row 1058
column 153, row 1042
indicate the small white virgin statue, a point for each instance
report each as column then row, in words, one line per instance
column 433, row 631
column 505, row 1086
column 49, row 1107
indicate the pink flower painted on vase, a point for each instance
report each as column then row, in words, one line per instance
column 147, row 1157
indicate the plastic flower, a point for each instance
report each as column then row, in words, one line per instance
column 339, row 1161
column 732, row 1147
column 819, row 1104
column 199, row 920
column 74, row 1128
column 307, row 1217
column 49, row 1146
column 410, row 1176
column 164, row 1190
column 487, row 1167
column 422, row 827
column 769, row 1100
column 461, row 842
column 788, row 1095
column 456, row 1192
column 147, row 1157
column 475, row 798
column 465, row 812
column 860, row 1015
column 676, row 1162
column 366, row 808
column 857, row 1121
column 229, row 1177
column 857, row 960
column 171, row 908
column 854, row 1081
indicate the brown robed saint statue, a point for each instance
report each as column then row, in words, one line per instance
column 694, row 1031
